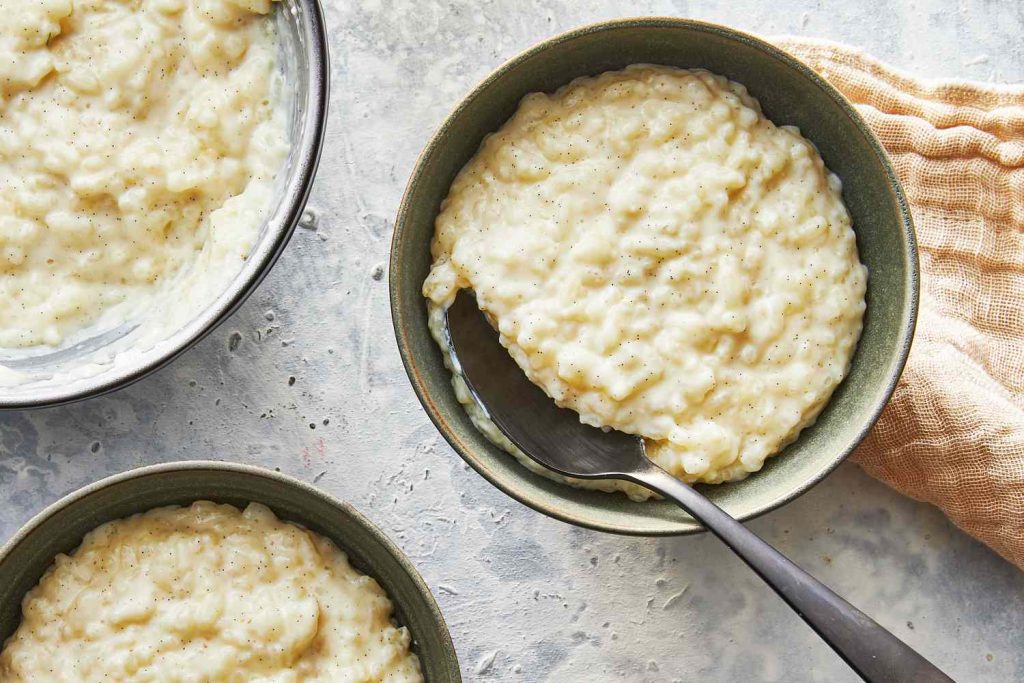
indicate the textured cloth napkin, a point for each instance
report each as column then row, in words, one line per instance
column 953, row 434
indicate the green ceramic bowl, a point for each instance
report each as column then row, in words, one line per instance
column 60, row 528
column 790, row 93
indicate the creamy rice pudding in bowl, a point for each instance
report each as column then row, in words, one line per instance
column 154, row 159
column 679, row 232
column 207, row 571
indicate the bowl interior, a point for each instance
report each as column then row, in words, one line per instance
column 790, row 93
column 60, row 530
column 110, row 353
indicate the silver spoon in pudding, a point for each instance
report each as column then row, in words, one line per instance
column 555, row 438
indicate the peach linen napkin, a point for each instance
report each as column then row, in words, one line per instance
column 953, row 434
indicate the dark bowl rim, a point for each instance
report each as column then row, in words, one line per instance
column 401, row 325
column 307, row 489
column 295, row 197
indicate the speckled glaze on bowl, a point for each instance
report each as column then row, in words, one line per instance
column 790, row 93
column 60, row 528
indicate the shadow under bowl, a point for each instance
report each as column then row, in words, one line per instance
column 61, row 527
column 790, row 93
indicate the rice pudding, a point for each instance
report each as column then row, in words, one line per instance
column 138, row 145
column 660, row 257
column 207, row 594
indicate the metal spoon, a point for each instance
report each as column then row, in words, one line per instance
column 557, row 439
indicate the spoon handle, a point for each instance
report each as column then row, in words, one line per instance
column 875, row 654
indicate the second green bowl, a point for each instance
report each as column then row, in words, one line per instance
column 60, row 528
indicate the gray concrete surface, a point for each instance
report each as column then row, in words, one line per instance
column 529, row 598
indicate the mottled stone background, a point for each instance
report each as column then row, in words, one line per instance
column 529, row 598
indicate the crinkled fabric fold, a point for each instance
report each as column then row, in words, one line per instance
column 953, row 434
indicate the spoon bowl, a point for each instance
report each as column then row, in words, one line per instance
column 551, row 435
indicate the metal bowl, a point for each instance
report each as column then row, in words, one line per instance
column 790, row 92
column 107, row 359
column 60, row 528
